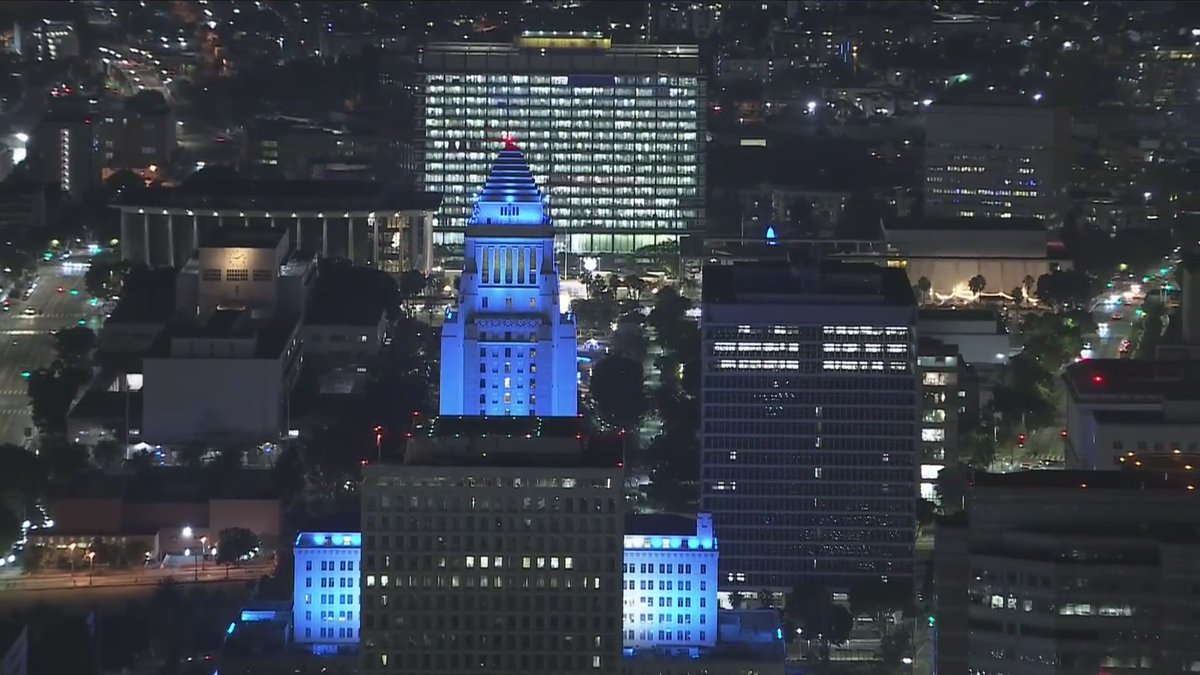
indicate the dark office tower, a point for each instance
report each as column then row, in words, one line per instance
column 1005, row 160
column 613, row 133
column 495, row 547
column 809, row 422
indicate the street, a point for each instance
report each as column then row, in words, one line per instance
column 15, row 582
column 26, row 343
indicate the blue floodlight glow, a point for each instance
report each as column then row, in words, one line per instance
column 771, row 236
column 252, row 616
column 651, row 558
column 504, row 313
column 328, row 618
column 232, row 627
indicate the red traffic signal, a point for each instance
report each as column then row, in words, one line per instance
column 1020, row 440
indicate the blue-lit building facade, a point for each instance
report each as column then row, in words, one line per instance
column 506, row 348
column 325, row 608
column 670, row 582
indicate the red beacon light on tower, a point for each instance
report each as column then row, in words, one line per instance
column 510, row 143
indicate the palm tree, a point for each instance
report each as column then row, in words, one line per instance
column 977, row 284
column 735, row 599
column 925, row 286
column 636, row 286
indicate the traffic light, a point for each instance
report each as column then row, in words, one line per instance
column 932, row 620
column 1020, row 440
column 74, row 291
column 26, row 374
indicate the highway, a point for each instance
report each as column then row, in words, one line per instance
column 26, row 343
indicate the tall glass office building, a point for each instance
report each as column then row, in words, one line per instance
column 809, row 423
column 614, row 133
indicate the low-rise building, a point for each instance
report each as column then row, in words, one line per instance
column 326, row 590
column 949, row 252
column 1118, row 406
column 670, row 581
column 368, row 223
column 979, row 335
column 167, row 509
column 1070, row 571
column 949, row 405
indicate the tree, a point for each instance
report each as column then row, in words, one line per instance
column 977, row 284
column 669, row 319
column 617, row 386
column 810, row 605
column 925, row 286
column 1067, row 288
column 636, row 286
column 136, row 553
column 234, row 543
column 191, row 455
column 63, row 458
column 766, row 598
column 10, row 527
column 23, row 476
column 51, row 392
column 1028, row 284
column 227, row 461
column 412, row 284
column 1018, row 295
column 108, row 454
column 879, row 599
column 978, row 448
column 736, row 599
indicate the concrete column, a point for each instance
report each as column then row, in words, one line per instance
column 146, row 238
column 195, row 234
column 324, row 237
column 221, row 220
column 374, row 223
column 299, row 232
column 171, row 240
column 350, row 239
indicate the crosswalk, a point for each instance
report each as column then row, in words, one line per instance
column 14, row 411
column 14, row 392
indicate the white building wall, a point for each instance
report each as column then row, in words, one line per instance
column 326, row 591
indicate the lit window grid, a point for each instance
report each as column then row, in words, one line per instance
column 847, row 547
column 623, row 159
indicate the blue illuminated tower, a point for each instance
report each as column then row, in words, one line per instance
column 506, row 349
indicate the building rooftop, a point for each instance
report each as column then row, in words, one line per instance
column 824, row 282
column 146, row 298
column 271, row 335
column 238, row 237
column 659, row 523
column 952, row 314
column 283, row 196
column 344, row 295
column 171, row 484
column 328, row 540
column 1108, row 379
column 921, row 222
column 1083, row 479
column 512, row 442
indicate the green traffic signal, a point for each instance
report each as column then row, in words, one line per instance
column 932, row 620
column 81, row 322
column 74, row 291
column 26, row 374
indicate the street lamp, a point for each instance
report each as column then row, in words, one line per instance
column 187, row 534
column 203, row 550
column 91, row 558
column 72, row 546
